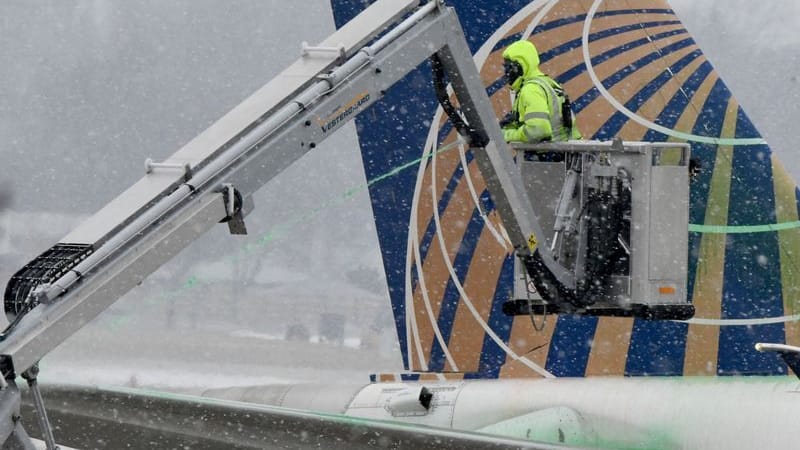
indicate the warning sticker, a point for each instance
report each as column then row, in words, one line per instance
column 532, row 242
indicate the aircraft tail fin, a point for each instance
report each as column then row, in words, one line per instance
column 632, row 71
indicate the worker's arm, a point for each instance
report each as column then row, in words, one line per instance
column 534, row 125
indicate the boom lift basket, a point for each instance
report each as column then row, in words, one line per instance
column 616, row 217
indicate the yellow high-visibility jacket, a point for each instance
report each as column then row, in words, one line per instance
column 538, row 102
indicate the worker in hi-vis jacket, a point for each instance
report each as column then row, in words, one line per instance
column 541, row 109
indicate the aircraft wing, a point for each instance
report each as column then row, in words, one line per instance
column 93, row 417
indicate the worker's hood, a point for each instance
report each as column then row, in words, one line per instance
column 523, row 52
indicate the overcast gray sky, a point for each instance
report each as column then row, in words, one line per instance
column 755, row 47
column 91, row 88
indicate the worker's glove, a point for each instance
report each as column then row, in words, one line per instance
column 511, row 119
column 508, row 134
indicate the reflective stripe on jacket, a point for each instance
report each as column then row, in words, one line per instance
column 539, row 104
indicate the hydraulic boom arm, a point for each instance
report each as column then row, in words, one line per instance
column 212, row 178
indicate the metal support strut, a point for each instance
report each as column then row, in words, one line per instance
column 47, row 431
